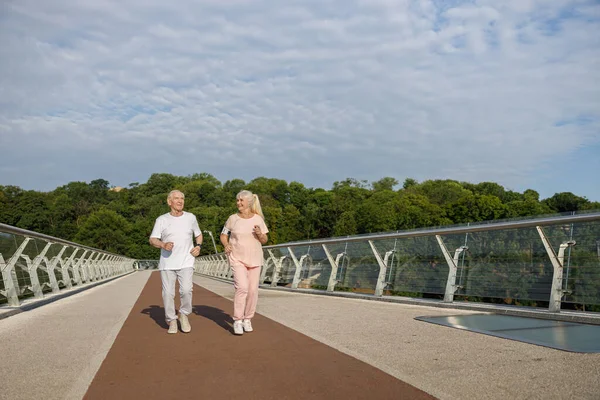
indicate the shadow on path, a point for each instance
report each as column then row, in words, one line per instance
column 157, row 313
column 216, row 315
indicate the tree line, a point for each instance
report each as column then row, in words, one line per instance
column 119, row 220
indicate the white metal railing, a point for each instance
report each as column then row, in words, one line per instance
column 549, row 260
column 34, row 264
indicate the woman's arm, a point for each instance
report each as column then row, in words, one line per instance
column 262, row 237
column 225, row 240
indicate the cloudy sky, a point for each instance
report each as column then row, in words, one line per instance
column 308, row 90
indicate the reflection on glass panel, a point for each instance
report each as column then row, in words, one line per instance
column 269, row 267
column 288, row 268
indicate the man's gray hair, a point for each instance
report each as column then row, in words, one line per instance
column 172, row 192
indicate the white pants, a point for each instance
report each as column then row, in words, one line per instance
column 168, row 277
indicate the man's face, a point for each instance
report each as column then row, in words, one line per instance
column 176, row 202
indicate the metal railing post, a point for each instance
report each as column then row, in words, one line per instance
column 451, row 286
column 557, row 292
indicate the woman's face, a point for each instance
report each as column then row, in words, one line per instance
column 242, row 203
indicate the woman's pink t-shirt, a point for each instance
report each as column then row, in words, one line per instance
column 245, row 247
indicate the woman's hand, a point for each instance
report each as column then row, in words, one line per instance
column 261, row 237
column 228, row 248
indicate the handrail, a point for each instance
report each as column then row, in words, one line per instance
column 480, row 227
column 24, row 232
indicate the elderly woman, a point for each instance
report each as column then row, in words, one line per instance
column 243, row 235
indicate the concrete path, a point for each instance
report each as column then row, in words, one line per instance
column 54, row 351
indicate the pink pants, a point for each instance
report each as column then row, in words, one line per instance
column 245, row 282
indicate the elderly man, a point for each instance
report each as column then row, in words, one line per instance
column 173, row 234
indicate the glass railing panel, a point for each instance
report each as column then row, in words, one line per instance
column 415, row 266
column 358, row 269
column 11, row 245
column 320, row 269
column 581, row 272
column 510, row 266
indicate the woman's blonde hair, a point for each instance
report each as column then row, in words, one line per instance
column 253, row 201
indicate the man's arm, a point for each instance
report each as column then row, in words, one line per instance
column 197, row 246
column 159, row 244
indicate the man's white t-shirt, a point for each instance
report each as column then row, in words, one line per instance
column 181, row 231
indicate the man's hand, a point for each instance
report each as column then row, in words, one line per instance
column 168, row 246
column 195, row 251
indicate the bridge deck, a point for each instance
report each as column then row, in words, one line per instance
column 110, row 342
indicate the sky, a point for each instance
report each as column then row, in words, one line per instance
column 313, row 91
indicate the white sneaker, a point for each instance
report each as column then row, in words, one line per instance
column 247, row 325
column 238, row 328
column 173, row 326
column 185, row 323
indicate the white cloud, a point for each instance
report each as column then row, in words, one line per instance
column 303, row 90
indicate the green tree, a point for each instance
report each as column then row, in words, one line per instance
column 378, row 213
column 346, row 224
column 409, row 183
column 525, row 208
column 565, row 201
column 290, row 226
column 106, row 230
column 62, row 214
column 160, row 184
column 531, row 194
column 351, row 182
column 386, row 183
column 442, row 192
column 476, row 208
